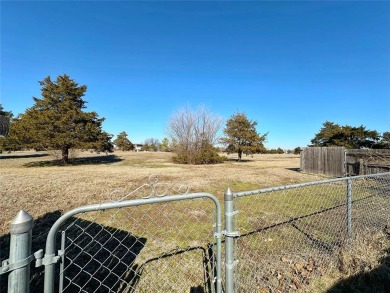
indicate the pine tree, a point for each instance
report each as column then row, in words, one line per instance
column 241, row 135
column 57, row 120
column 123, row 143
column 350, row 137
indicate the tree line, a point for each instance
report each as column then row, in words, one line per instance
column 350, row 137
column 57, row 121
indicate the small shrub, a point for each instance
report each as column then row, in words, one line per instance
column 206, row 154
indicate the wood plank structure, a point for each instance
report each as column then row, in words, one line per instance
column 367, row 161
column 340, row 162
column 323, row 160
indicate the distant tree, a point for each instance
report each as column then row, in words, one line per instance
column 151, row 145
column 241, row 135
column 16, row 140
column 57, row 120
column 332, row 134
column 384, row 143
column 5, row 118
column 165, row 147
column 276, row 151
column 297, row 151
column 123, row 143
column 193, row 135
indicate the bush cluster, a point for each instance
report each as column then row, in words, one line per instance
column 206, row 154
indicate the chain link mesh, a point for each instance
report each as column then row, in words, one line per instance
column 164, row 247
column 288, row 235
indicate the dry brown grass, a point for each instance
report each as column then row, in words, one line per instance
column 31, row 182
column 363, row 267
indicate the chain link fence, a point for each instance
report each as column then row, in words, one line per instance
column 143, row 241
column 289, row 234
column 164, row 247
column 275, row 240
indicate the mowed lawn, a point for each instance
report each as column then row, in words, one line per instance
column 32, row 182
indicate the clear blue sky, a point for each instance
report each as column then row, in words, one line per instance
column 288, row 65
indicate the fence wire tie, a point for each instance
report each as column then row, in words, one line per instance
column 9, row 267
column 232, row 213
column 231, row 266
column 231, row 234
column 216, row 280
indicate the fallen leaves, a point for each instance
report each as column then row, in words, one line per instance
column 295, row 274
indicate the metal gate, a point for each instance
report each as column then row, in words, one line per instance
column 158, row 243
column 111, row 253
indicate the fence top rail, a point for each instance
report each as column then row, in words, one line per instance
column 51, row 238
column 285, row 187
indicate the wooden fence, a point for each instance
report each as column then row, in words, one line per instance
column 362, row 162
column 339, row 162
column 323, row 160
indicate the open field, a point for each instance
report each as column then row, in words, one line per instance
column 167, row 247
column 29, row 182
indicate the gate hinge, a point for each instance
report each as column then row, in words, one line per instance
column 9, row 267
column 48, row 259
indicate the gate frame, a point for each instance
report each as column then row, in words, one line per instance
column 50, row 257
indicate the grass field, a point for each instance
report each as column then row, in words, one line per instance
column 29, row 180
column 168, row 244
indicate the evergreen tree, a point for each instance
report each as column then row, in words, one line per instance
column 350, row 137
column 241, row 136
column 57, row 120
column 5, row 118
column 384, row 143
column 105, row 144
column 123, row 143
column 297, row 151
column 165, row 147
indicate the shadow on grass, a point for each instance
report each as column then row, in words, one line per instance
column 97, row 257
column 375, row 281
column 97, row 160
column 294, row 169
column 208, row 266
column 236, row 160
column 8, row 156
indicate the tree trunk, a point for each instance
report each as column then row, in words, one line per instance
column 239, row 155
column 65, row 155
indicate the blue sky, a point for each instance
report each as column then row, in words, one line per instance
column 288, row 65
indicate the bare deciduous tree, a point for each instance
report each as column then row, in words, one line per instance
column 193, row 130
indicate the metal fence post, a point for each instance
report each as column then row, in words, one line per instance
column 230, row 262
column 349, row 208
column 20, row 253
